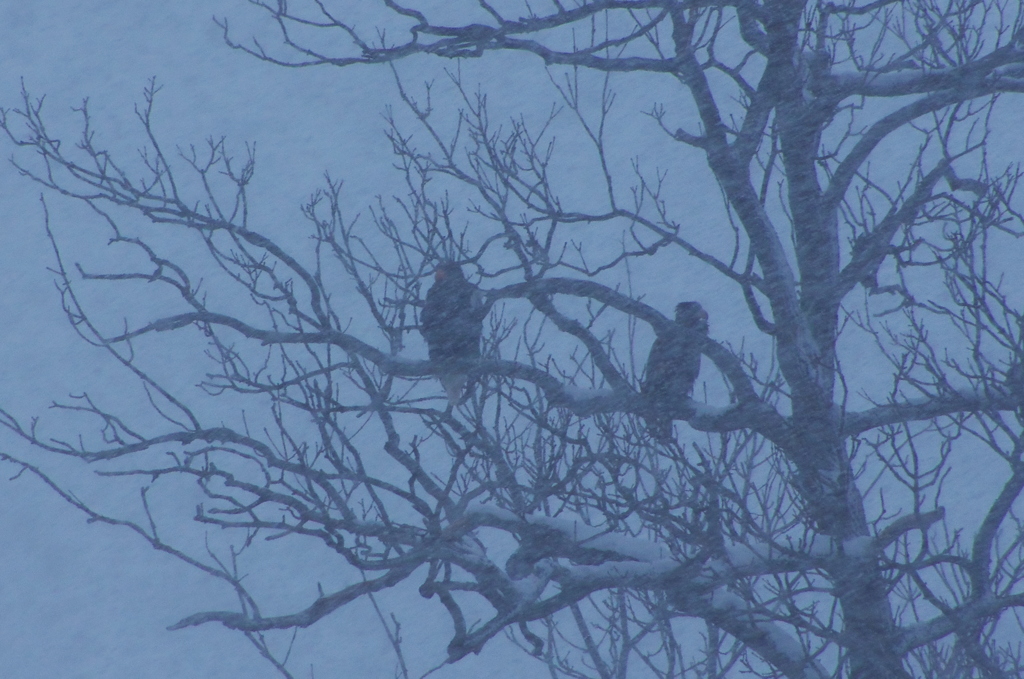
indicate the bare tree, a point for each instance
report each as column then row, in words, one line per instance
column 799, row 523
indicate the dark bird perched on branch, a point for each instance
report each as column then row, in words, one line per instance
column 673, row 366
column 452, row 323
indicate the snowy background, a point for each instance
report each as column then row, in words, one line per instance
column 92, row 601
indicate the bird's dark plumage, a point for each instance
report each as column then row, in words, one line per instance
column 452, row 323
column 673, row 366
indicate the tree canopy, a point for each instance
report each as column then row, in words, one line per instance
column 803, row 520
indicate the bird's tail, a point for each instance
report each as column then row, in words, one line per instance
column 453, row 385
column 660, row 428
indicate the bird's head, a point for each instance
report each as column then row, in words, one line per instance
column 448, row 271
column 691, row 315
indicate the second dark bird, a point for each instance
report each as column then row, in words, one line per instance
column 452, row 324
column 673, row 366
